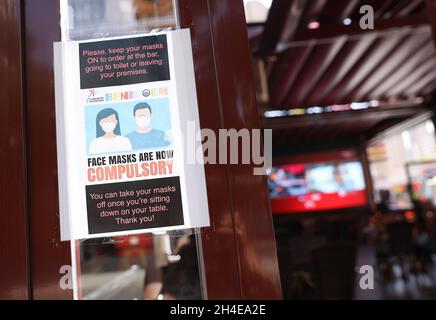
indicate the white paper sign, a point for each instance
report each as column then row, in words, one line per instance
column 122, row 108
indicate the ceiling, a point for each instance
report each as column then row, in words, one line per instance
column 366, row 123
column 336, row 62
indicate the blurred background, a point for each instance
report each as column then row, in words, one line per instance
column 353, row 181
column 352, row 116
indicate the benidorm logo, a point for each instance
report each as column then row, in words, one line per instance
column 121, row 96
column 155, row 92
column 131, row 95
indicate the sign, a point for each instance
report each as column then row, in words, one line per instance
column 122, row 108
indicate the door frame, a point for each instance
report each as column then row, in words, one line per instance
column 14, row 257
column 239, row 252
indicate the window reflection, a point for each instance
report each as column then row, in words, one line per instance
column 146, row 266
column 105, row 18
column 152, row 8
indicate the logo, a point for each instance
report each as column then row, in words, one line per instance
column 125, row 95
column 121, row 96
column 146, row 93
column 155, row 92
column 92, row 97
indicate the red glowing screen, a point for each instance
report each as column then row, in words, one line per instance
column 317, row 186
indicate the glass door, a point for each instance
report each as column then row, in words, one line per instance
column 144, row 266
column 162, row 266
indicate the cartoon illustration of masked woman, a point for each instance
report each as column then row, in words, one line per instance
column 108, row 138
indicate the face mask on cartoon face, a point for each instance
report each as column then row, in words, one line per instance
column 108, row 126
column 143, row 121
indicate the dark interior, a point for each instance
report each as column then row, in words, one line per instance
column 327, row 85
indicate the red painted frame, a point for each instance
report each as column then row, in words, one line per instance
column 14, row 262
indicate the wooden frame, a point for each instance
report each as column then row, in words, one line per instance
column 14, row 265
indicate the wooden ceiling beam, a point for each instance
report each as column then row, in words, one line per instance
column 365, row 67
column 431, row 16
column 330, row 57
column 375, row 114
column 275, row 24
column 418, row 87
column 386, row 68
column 413, row 5
column 294, row 20
column 289, row 75
column 420, row 57
column 417, row 74
column 381, row 26
column 343, row 67
column 349, row 9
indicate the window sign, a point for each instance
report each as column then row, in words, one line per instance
column 122, row 106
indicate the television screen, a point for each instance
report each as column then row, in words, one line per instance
column 317, row 186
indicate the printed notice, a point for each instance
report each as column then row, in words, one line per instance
column 120, row 115
column 134, row 205
column 122, row 62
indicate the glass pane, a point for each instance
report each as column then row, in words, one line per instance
column 89, row 19
column 146, row 266
column 256, row 11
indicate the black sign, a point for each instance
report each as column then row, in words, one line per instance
column 123, row 61
column 134, row 205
